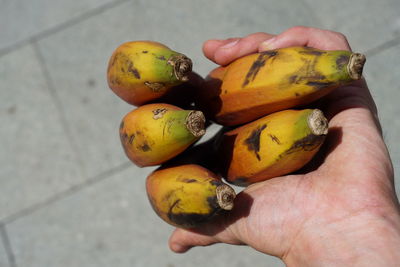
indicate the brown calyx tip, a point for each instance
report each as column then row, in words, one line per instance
column 182, row 66
column 356, row 65
column 318, row 123
column 225, row 196
column 195, row 123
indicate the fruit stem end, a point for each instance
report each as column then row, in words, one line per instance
column 356, row 65
column 225, row 196
column 318, row 123
column 182, row 67
column 195, row 123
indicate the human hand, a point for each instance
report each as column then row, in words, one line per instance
column 344, row 210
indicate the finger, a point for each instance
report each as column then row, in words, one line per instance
column 227, row 53
column 210, row 46
column 224, row 52
column 182, row 240
column 307, row 36
column 228, row 228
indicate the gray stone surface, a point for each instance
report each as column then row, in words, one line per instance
column 381, row 72
column 77, row 59
column 366, row 23
column 36, row 159
column 112, row 224
column 22, row 19
column 3, row 256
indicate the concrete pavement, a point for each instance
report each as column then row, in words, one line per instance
column 68, row 195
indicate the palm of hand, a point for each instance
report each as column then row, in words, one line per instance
column 346, row 193
column 348, row 185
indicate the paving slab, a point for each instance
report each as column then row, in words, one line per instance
column 381, row 72
column 366, row 23
column 77, row 58
column 22, row 19
column 113, row 224
column 36, row 158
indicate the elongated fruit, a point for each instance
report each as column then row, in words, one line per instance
column 188, row 195
column 274, row 145
column 142, row 71
column 270, row 81
column 155, row 133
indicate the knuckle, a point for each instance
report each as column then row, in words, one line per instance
column 340, row 36
column 256, row 36
column 298, row 28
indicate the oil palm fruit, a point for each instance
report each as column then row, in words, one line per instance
column 274, row 145
column 154, row 133
column 188, row 195
column 259, row 84
column 142, row 71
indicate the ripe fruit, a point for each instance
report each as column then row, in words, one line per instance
column 274, row 145
column 142, row 71
column 259, row 84
column 188, row 195
column 155, row 133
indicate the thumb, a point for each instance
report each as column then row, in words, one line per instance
column 226, row 228
column 182, row 240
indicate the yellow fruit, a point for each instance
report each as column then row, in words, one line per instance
column 155, row 133
column 274, row 145
column 188, row 195
column 143, row 71
column 259, row 84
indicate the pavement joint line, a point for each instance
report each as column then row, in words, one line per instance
column 61, row 26
column 59, row 106
column 383, row 46
column 63, row 194
column 7, row 246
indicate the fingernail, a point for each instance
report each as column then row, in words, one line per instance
column 268, row 44
column 230, row 44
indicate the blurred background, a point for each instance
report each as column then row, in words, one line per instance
column 68, row 195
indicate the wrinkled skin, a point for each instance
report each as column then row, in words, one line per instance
column 343, row 209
